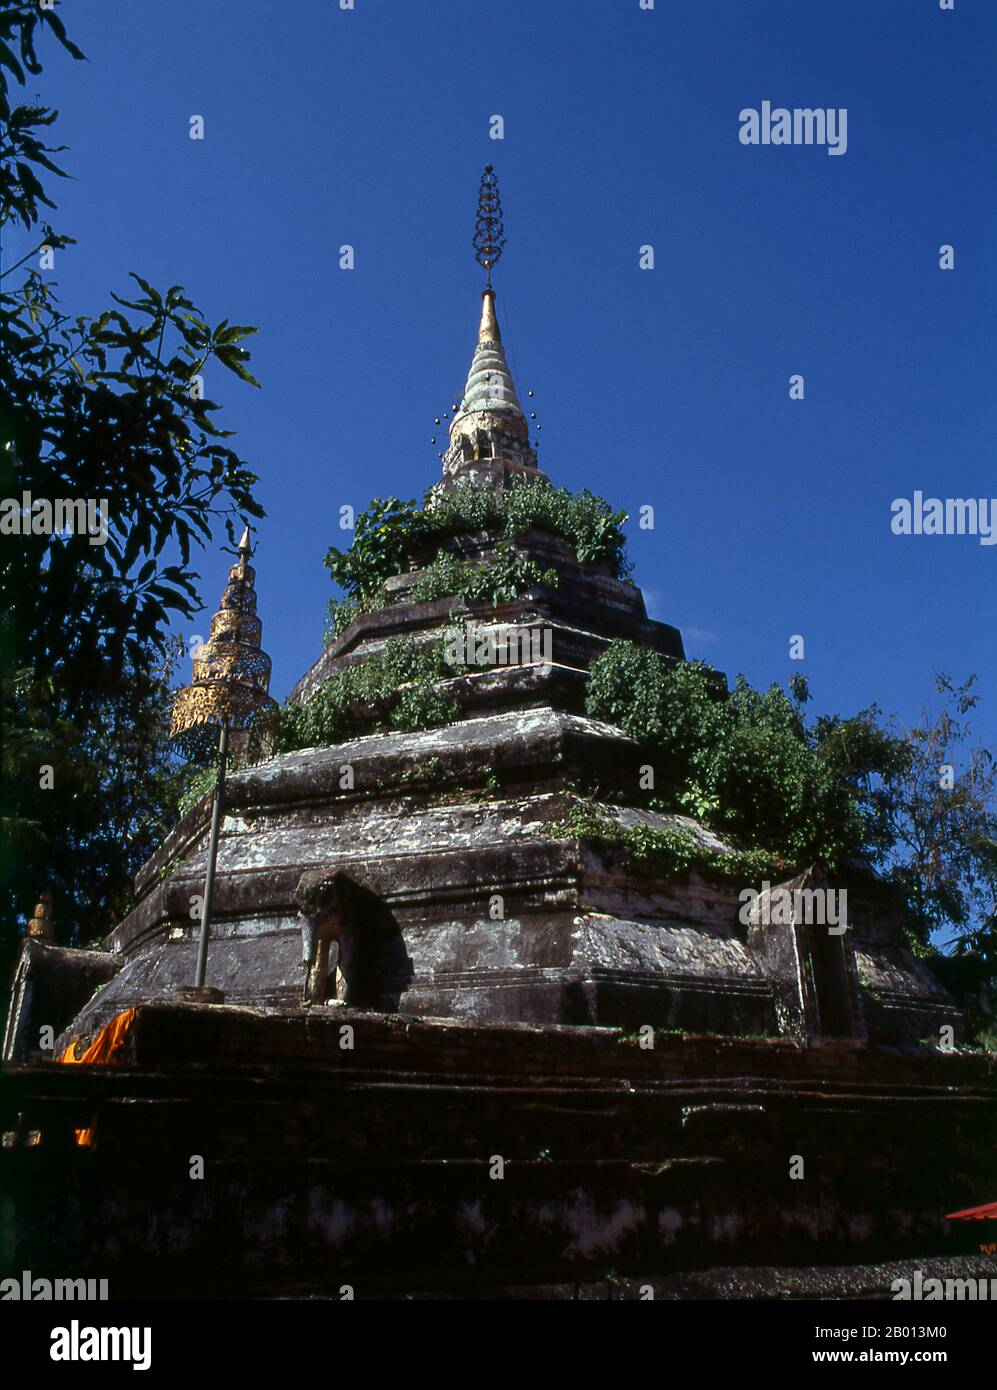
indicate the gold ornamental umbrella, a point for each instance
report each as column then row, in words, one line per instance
column 230, row 692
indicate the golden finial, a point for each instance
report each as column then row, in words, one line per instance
column 488, row 329
column 244, row 551
column 42, row 926
column 231, row 671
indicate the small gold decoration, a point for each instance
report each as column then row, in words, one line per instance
column 231, row 672
column 42, row 924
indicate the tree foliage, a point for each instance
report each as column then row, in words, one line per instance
column 382, row 540
column 100, row 407
column 917, row 804
column 115, row 788
column 103, row 409
column 934, row 810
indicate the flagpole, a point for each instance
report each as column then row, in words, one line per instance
column 229, row 691
column 209, row 875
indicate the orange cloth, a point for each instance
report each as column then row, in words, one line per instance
column 101, row 1052
column 107, row 1044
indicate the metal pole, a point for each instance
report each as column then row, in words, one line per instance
column 209, row 877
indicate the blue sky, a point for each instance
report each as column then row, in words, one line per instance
column 668, row 387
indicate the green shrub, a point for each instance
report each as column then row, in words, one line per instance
column 340, row 612
column 677, row 708
column 500, row 580
column 673, row 851
column 397, row 688
column 585, row 521
column 200, row 780
column 391, row 532
column 745, row 764
column 381, row 544
column 772, row 784
column 460, row 511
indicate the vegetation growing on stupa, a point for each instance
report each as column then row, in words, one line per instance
column 785, row 791
column 398, row 687
column 392, row 535
column 750, row 767
column 587, row 522
column 671, row 852
column 744, row 765
column 503, row 578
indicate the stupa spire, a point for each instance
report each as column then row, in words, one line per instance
column 489, row 423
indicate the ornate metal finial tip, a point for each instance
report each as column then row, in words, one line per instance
column 489, row 230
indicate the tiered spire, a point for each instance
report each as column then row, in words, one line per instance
column 489, row 436
column 231, row 671
column 490, row 389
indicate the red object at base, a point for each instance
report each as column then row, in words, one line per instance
column 987, row 1213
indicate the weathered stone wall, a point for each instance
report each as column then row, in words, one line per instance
column 587, row 610
column 51, row 985
column 371, row 1165
column 504, row 915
